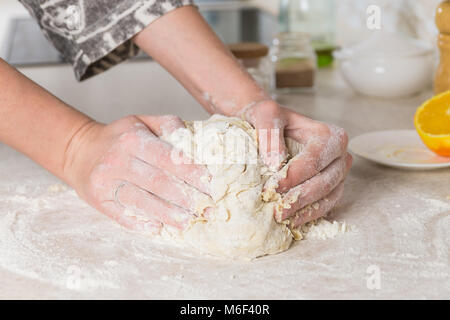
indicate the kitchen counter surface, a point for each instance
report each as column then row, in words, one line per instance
column 52, row 245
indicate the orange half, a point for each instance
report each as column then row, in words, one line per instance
column 432, row 122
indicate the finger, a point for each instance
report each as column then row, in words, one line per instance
column 163, row 155
column 146, row 206
column 318, row 209
column 267, row 120
column 162, row 125
column 169, row 188
column 272, row 147
column 317, row 187
column 317, row 154
column 118, row 214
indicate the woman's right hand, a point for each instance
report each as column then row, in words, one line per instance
column 127, row 172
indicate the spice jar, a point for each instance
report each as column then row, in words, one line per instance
column 253, row 56
column 294, row 62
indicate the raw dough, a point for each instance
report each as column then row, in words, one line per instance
column 243, row 224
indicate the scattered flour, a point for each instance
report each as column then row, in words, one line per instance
column 54, row 246
column 324, row 229
column 56, row 188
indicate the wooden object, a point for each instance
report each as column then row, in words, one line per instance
column 442, row 80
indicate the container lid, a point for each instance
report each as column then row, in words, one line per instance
column 248, row 50
column 385, row 44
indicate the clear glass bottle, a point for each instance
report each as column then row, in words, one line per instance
column 294, row 63
column 316, row 18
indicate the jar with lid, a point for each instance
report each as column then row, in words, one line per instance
column 294, row 63
column 253, row 56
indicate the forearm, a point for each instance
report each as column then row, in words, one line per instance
column 35, row 122
column 184, row 44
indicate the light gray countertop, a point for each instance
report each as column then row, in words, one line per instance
column 52, row 245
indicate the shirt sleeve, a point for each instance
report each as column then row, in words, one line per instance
column 95, row 35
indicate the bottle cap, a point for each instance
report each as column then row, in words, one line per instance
column 248, row 50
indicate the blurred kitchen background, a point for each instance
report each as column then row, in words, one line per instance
column 413, row 16
column 340, row 22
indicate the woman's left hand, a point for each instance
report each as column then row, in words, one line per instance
column 315, row 176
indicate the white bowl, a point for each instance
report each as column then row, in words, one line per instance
column 387, row 68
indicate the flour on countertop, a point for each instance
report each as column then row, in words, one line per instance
column 54, row 246
column 324, row 229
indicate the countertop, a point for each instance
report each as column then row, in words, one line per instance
column 52, row 245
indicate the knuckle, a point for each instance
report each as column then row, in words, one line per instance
column 336, row 138
column 322, row 128
column 271, row 106
column 131, row 119
column 341, row 134
column 132, row 139
column 263, row 109
column 170, row 117
column 344, row 140
column 317, row 165
column 127, row 137
column 170, row 123
column 126, row 122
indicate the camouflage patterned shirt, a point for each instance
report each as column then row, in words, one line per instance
column 95, row 35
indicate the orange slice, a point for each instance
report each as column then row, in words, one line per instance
column 432, row 122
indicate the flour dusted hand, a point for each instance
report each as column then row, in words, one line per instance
column 125, row 171
column 311, row 182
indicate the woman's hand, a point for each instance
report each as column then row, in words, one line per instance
column 125, row 171
column 314, row 180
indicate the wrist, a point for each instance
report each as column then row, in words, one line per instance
column 79, row 152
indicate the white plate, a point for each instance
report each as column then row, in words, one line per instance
column 397, row 148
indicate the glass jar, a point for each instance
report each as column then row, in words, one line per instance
column 316, row 18
column 253, row 57
column 294, row 63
